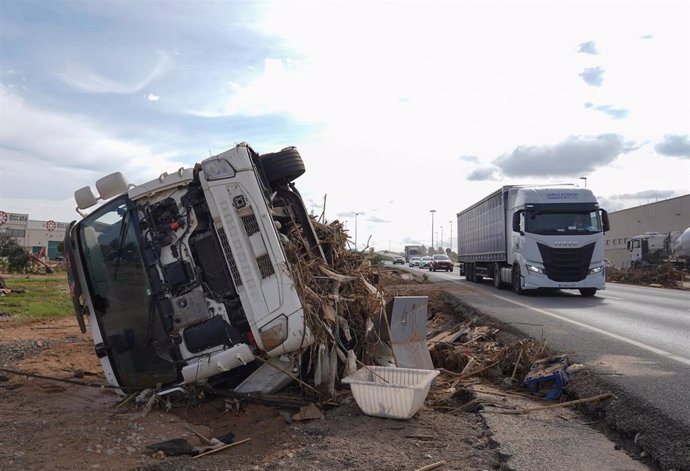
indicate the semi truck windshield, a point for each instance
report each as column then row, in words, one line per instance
column 556, row 223
column 119, row 291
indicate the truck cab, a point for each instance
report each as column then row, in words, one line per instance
column 557, row 240
column 187, row 276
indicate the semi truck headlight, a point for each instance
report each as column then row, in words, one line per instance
column 274, row 333
column 534, row 269
column 216, row 169
column 595, row 270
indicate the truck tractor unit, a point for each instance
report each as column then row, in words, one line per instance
column 412, row 251
column 652, row 249
column 186, row 277
column 532, row 237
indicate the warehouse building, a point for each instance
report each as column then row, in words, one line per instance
column 40, row 237
column 663, row 216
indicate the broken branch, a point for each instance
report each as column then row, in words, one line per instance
column 221, row 448
column 428, row 467
column 556, row 406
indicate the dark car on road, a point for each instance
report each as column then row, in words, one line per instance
column 441, row 262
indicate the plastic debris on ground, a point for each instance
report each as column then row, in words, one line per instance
column 393, row 393
column 548, row 376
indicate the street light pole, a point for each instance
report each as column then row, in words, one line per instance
column 450, row 242
column 432, row 228
column 585, row 179
column 441, row 238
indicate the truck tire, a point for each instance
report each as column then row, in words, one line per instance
column 283, row 166
column 497, row 276
column 478, row 278
column 469, row 272
column 517, row 286
column 588, row 292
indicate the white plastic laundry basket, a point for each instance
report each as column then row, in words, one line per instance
column 394, row 393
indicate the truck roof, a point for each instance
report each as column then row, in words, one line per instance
column 545, row 193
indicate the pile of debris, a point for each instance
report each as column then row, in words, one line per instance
column 343, row 303
column 469, row 353
column 659, row 276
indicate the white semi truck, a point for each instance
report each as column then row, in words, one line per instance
column 533, row 237
column 654, row 248
column 186, row 277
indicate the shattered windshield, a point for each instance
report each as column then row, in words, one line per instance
column 550, row 223
column 119, row 292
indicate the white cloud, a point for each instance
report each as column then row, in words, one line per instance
column 152, row 97
column 83, row 79
column 674, row 146
column 46, row 155
column 588, row 47
column 575, row 155
column 593, row 76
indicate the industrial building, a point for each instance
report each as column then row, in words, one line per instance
column 40, row 237
column 663, row 216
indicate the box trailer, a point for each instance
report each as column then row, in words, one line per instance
column 533, row 237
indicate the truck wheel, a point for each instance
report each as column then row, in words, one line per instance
column 283, row 166
column 588, row 292
column 478, row 278
column 497, row 276
column 468, row 272
column 517, row 287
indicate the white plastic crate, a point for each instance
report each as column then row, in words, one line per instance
column 394, row 393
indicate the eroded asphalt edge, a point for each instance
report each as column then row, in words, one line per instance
column 644, row 432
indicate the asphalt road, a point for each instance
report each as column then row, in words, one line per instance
column 634, row 339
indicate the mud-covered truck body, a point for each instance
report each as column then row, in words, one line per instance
column 534, row 237
column 186, row 277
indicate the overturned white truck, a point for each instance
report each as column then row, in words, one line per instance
column 186, row 277
column 533, row 237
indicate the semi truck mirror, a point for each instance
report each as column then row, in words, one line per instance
column 516, row 221
column 605, row 220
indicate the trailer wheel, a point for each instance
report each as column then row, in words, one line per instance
column 283, row 166
column 517, row 287
column 497, row 276
column 588, row 292
column 469, row 272
column 478, row 278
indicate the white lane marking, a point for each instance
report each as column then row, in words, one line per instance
column 613, row 297
column 644, row 346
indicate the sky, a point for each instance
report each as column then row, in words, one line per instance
column 398, row 108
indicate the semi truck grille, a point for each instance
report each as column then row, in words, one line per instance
column 250, row 224
column 265, row 266
column 566, row 265
column 228, row 255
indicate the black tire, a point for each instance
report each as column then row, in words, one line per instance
column 469, row 272
column 497, row 276
column 517, row 287
column 588, row 292
column 284, row 166
column 478, row 278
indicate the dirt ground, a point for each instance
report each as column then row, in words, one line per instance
column 51, row 425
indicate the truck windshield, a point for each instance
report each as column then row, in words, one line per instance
column 118, row 287
column 550, row 223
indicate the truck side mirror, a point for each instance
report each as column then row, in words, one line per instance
column 516, row 221
column 605, row 221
